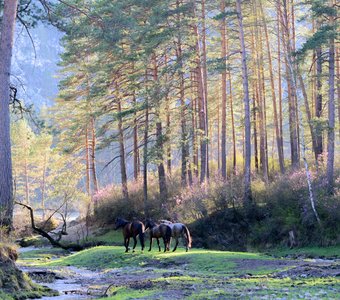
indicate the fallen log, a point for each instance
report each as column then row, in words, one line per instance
column 54, row 242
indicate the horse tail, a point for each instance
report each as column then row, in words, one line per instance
column 187, row 233
column 141, row 235
column 168, row 233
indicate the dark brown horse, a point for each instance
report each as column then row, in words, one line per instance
column 131, row 230
column 159, row 231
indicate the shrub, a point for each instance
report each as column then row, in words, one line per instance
column 216, row 216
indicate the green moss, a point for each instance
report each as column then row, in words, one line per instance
column 128, row 293
column 4, row 296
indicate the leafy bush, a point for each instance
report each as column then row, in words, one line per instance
column 216, row 216
column 288, row 208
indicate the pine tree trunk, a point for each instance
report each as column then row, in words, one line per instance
column 247, row 133
column 201, row 112
column 6, row 47
column 145, row 159
column 279, row 81
column 224, row 95
column 233, row 132
column 331, row 110
column 338, row 83
column 135, row 142
column 272, row 83
column 122, row 151
column 318, row 101
column 261, row 98
column 184, row 134
column 87, row 162
column 294, row 64
column 93, row 157
column 43, row 186
column 293, row 125
column 255, row 128
column 27, row 186
column 168, row 127
column 194, row 125
column 163, row 191
column 205, row 86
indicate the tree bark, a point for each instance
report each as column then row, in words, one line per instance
column 93, row 157
column 279, row 79
column 272, row 83
column 136, row 168
column 145, row 158
column 223, row 95
column 256, row 155
column 231, row 103
column 293, row 124
column 331, row 109
column 43, row 185
column 194, row 124
column 205, row 85
column 338, row 83
column 261, row 97
column 318, row 102
column 122, row 151
column 6, row 47
column 87, row 161
column 247, row 134
column 168, row 127
column 163, row 191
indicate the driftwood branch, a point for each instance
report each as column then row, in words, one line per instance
column 43, row 233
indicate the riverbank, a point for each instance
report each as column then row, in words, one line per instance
column 198, row 274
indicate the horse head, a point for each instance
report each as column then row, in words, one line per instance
column 119, row 223
column 149, row 224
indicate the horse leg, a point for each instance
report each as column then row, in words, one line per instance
column 150, row 242
column 165, row 243
column 141, row 239
column 159, row 247
column 175, row 244
column 126, row 243
column 169, row 244
column 134, row 243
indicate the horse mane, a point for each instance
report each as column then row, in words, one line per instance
column 165, row 221
column 150, row 223
column 121, row 222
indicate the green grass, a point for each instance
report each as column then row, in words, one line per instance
column 110, row 257
column 308, row 252
column 197, row 274
column 43, row 254
column 122, row 293
column 112, row 237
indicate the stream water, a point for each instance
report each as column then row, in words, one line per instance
column 72, row 283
